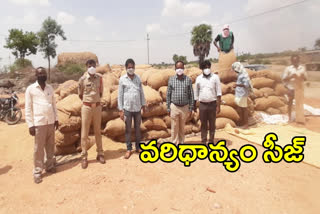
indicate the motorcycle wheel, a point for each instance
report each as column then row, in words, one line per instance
column 13, row 119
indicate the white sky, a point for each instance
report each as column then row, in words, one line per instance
column 100, row 24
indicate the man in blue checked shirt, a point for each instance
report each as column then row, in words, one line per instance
column 131, row 101
column 179, row 102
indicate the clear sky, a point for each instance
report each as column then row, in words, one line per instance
column 100, row 26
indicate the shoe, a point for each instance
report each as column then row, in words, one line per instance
column 52, row 170
column 84, row 163
column 138, row 151
column 37, row 180
column 128, row 154
column 101, row 159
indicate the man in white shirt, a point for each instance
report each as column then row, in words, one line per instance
column 289, row 76
column 208, row 93
column 42, row 119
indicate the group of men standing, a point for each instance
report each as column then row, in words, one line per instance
column 182, row 100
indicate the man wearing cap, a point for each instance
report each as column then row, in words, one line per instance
column 90, row 92
column 226, row 40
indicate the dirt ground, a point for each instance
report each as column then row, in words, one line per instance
column 129, row 186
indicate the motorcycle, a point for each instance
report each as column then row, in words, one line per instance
column 9, row 112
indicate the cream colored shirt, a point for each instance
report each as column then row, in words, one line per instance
column 290, row 70
column 207, row 89
column 91, row 88
column 40, row 105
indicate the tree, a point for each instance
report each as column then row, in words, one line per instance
column 22, row 43
column 180, row 58
column 317, row 44
column 47, row 35
column 201, row 41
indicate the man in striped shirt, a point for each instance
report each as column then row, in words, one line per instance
column 179, row 102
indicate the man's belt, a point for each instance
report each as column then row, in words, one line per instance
column 180, row 105
column 207, row 103
column 92, row 105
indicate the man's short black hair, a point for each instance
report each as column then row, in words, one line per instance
column 130, row 61
column 205, row 64
column 91, row 62
column 179, row 61
column 39, row 69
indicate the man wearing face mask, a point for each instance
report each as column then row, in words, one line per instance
column 226, row 40
column 180, row 102
column 208, row 93
column 42, row 119
column 131, row 101
column 90, row 92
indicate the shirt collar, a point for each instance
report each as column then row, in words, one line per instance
column 184, row 76
column 127, row 76
column 36, row 84
column 88, row 75
column 209, row 76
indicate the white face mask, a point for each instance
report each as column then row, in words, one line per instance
column 92, row 70
column 130, row 71
column 207, row 71
column 179, row 71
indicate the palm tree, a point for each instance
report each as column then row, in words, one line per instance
column 201, row 41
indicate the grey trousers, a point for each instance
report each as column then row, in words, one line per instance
column 44, row 145
column 136, row 116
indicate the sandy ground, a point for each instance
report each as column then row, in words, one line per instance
column 129, row 186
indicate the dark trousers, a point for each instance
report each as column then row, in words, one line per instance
column 137, row 122
column 208, row 115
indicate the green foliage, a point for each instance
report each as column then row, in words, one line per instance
column 179, row 58
column 70, row 69
column 22, row 43
column 201, row 38
column 47, row 35
column 20, row 64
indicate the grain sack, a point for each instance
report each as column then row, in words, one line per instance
column 267, row 91
column 280, row 89
column 68, row 87
column 66, row 150
column 159, row 78
column 167, row 120
column 231, row 87
column 224, row 89
column 145, row 76
column 222, row 122
column 284, row 109
column 152, row 96
column 110, row 79
column 196, row 116
column 263, row 103
column 68, row 123
column 228, row 112
column 114, row 99
column 193, row 73
column 103, row 69
column 150, row 135
column 273, row 111
column 57, row 91
column 76, row 58
column 229, row 100
column 155, row 123
column 188, row 128
column 267, row 74
column 163, row 92
column 142, row 66
column 66, row 139
column 197, row 128
column 115, row 128
column 109, row 114
column 262, row 82
column 57, row 98
column 106, row 97
column 155, row 110
column 70, row 105
column 225, row 64
column 257, row 93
